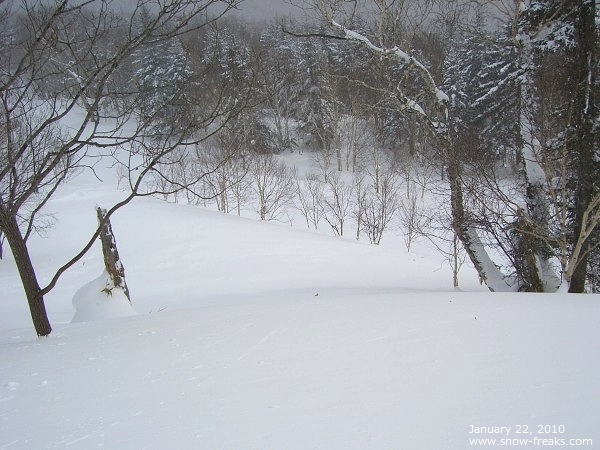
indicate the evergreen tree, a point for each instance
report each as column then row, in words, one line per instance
column 316, row 107
column 482, row 76
column 163, row 74
column 279, row 80
column 235, row 67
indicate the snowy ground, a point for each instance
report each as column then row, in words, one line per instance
column 254, row 335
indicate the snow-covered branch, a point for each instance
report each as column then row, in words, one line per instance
column 591, row 219
column 441, row 97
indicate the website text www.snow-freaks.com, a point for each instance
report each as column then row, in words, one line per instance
column 523, row 436
column 536, row 441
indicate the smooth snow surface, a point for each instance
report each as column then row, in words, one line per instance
column 341, row 370
column 252, row 335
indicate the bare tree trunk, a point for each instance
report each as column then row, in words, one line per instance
column 585, row 114
column 488, row 272
column 532, row 255
column 35, row 299
column 455, row 260
column 527, row 255
column 112, row 262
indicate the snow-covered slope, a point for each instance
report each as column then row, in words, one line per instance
column 342, row 370
column 252, row 335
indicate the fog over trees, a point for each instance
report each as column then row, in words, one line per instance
column 471, row 124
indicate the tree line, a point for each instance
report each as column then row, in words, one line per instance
column 500, row 95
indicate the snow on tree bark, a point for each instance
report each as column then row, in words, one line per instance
column 532, row 258
column 585, row 141
column 112, row 262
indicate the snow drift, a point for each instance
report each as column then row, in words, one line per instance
column 101, row 300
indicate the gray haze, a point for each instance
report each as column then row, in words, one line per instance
column 265, row 9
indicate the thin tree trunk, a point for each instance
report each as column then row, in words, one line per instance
column 455, row 261
column 29, row 280
column 112, row 261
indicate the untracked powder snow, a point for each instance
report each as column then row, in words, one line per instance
column 255, row 335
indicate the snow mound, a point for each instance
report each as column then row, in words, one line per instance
column 100, row 300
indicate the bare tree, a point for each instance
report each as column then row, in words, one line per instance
column 337, row 200
column 171, row 169
column 273, row 185
column 240, row 190
column 377, row 196
column 310, row 198
column 59, row 65
column 410, row 217
column 380, row 208
column 361, row 189
column 223, row 176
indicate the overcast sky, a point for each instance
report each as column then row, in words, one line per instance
column 265, row 9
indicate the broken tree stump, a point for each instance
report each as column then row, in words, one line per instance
column 112, row 262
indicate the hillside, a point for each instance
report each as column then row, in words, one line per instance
column 255, row 335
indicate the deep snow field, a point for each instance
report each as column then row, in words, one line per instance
column 255, row 335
